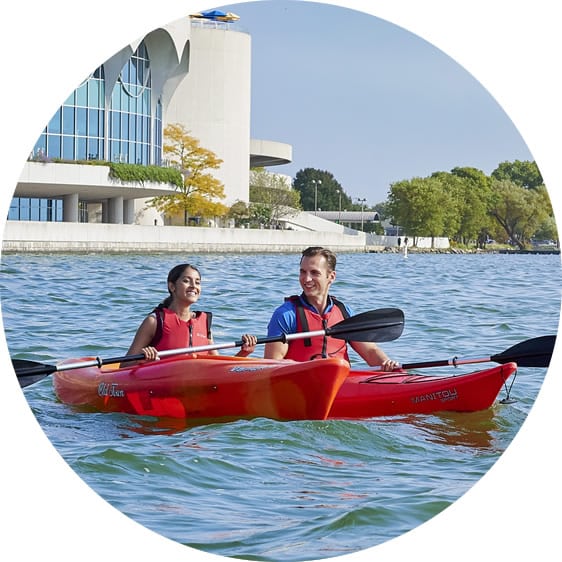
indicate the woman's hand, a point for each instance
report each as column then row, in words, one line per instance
column 150, row 353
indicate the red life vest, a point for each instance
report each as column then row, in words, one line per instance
column 174, row 333
column 310, row 321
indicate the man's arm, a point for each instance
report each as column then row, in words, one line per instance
column 283, row 321
column 374, row 355
column 275, row 350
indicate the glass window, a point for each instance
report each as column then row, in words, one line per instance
column 68, row 120
column 146, row 102
column 34, row 209
column 53, row 146
column 82, row 116
column 116, row 98
column 26, row 208
column 133, row 105
column 81, row 121
column 82, row 211
column 81, row 95
column 93, row 149
column 132, row 127
column 114, row 131
column 124, row 126
column 93, row 93
column 146, row 130
column 54, row 124
column 126, row 72
column 40, row 148
column 93, row 123
column 14, row 210
column 124, row 100
column 81, row 143
column 68, row 147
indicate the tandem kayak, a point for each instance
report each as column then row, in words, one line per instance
column 224, row 388
column 367, row 394
column 207, row 388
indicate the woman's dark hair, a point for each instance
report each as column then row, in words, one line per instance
column 174, row 274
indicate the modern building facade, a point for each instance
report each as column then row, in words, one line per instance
column 193, row 72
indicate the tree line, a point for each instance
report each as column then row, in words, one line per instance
column 465, row 205
column 511, row 205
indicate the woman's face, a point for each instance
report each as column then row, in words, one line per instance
column 187, row 288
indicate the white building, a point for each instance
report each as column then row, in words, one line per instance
column 194, row 72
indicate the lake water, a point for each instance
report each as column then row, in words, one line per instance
column 282, row 491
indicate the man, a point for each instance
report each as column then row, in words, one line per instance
column 315, row 309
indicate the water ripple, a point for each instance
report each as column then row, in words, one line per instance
column 261, row 489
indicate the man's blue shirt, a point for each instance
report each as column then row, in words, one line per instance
column 284, row 318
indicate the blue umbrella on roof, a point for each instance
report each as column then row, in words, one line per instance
column 216, row 15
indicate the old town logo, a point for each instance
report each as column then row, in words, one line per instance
column 111, row 390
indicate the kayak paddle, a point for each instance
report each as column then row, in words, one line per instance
column 381, row 325
column 535, row 352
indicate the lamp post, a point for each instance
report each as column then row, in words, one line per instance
column 362, row 201
column 339, row 212
column 316, row 184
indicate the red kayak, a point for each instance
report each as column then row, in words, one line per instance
column 224, row 388
column 207, row 388
column 367, row 394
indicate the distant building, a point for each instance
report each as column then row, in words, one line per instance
column 348, row 217
column 194, row 72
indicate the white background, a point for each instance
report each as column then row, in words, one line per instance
column 512, row 48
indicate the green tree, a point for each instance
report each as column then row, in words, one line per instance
column 240, row 212
column 474, row 198
column 519, row 211
column 321, row 186
column 271, row 191
column 522, row 173
column 423, row 207
column 199, row 192
column 260, row 214
column 547, row 230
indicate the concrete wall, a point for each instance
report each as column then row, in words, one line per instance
column 22, row 236
column 26, row 236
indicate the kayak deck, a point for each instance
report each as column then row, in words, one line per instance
column 367, row 394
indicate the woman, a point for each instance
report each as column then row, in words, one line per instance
column 173, row 325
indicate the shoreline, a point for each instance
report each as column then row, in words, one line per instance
column 78, row 238
column 46, row 248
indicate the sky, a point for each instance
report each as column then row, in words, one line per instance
column 511, row 47
column 365, row 99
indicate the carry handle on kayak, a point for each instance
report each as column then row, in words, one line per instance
column 381, row 325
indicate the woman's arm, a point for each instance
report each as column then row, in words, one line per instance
column 142, row 339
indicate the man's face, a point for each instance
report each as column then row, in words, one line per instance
column 315, row 278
